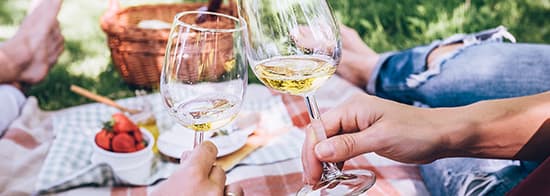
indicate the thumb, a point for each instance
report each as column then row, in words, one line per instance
column 344, row 147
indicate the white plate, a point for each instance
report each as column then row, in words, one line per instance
column 230, row 143
column 179, row 139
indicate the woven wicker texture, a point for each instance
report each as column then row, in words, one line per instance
column 138, row 53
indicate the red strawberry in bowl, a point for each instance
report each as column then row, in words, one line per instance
column 120, row 135
column 103, row 139
column 138, row 136
column 130, row 159
column 121, row 123
column 123, row 142
column 141, row 145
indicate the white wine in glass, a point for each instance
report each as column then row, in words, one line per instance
column 294, row 47
column 204, row 75
column 297, row 75
column 208, row 112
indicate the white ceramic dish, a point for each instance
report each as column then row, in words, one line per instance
column 229, row 143
column 179, row 139
column 133, row 167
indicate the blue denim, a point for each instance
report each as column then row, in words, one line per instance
column 468, row 176
column 483, row 68
column 479, row 71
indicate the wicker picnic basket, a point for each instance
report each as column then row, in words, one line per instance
column 138, row 53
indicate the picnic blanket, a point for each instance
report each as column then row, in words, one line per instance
column 23, row 148
column 68, row 164
column 257, row 175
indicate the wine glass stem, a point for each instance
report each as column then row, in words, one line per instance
column 199, row 137
column 330, row 170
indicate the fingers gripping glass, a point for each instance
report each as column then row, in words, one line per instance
column 294, row 47
column 204, row 74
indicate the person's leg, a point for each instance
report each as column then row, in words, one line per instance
column 474, row 72
column 29, row 54
column 11, row 101
column 478, row 177
column 479, row 67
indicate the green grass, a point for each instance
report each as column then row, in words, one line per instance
column 384, row 26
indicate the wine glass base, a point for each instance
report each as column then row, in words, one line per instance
column 352, row 182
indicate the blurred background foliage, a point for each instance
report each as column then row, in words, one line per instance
column 383, row 25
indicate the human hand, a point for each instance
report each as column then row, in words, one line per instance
column 196, row 175
column 358, row 60
column 366, row 124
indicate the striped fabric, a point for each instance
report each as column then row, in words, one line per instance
column 276, row 169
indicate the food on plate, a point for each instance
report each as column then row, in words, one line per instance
column 120, row 134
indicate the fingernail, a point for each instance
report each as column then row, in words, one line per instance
column 324, row 149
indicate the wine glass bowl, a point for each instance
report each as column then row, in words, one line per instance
column 291, row 51
column 294, row 47
column 296, row 75
column 204, row 74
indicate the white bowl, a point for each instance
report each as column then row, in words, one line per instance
column 134, row 167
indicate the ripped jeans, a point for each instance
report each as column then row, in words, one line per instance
column 479, row 70
column 469, row 176
column 483, row 68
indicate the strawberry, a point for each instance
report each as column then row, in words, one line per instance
column 121, row 123
column 123, row 142
column 137, row 135
column 103, row 139
column 141, row 145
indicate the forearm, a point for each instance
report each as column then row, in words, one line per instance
column 501, row 128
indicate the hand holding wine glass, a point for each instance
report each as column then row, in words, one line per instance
column 294, row 47
column 207, row 180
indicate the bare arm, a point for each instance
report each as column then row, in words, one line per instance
column 495, row 129
column 500, row 128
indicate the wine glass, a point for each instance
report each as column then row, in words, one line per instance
column 204, row 73
column 294, row 47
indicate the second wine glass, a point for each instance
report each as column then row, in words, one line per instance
column 204, row 75
column 294, row 47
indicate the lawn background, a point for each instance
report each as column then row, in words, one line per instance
column 383, row 25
